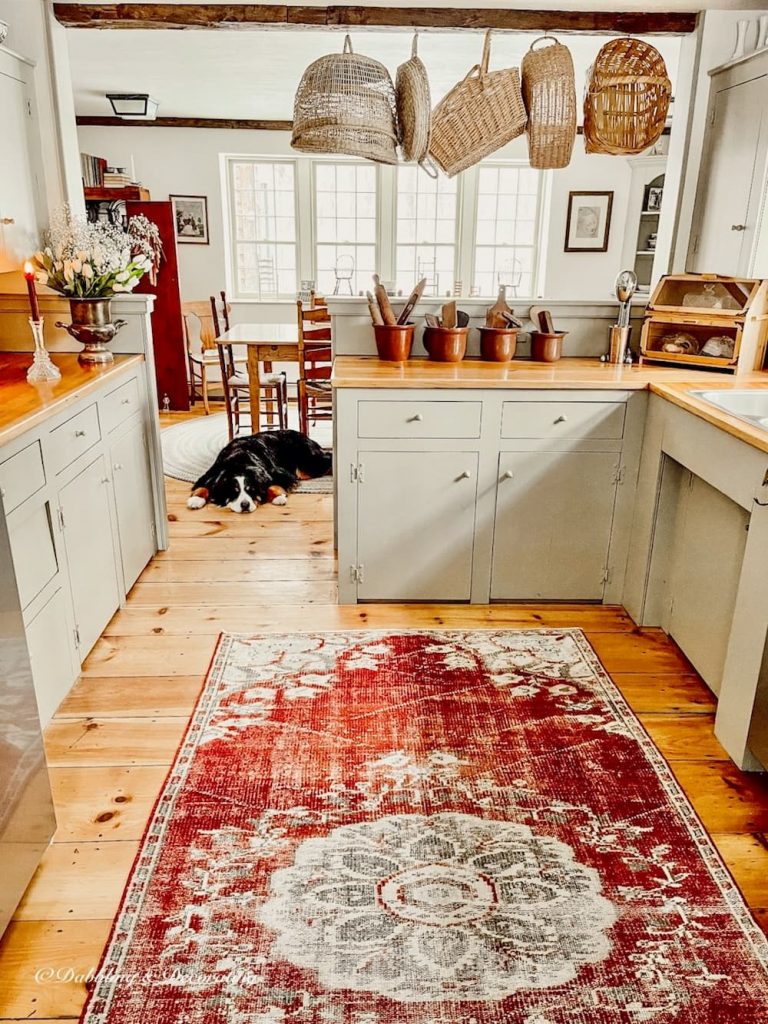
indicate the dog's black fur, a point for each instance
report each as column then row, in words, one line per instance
column 275, row 458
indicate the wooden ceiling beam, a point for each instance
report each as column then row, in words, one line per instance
column 250, row 16
column 187, row 122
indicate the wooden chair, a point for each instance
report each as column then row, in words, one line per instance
column 202, row 352
column 315, row 365
column 273, row 388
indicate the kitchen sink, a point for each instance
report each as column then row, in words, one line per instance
column 749, row 405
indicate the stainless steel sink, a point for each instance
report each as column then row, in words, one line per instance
column 749, row 405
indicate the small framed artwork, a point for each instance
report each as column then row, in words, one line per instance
column 655, row 195
column 190, row 216
column 589, row 221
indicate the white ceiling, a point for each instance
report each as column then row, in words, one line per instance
column 254, row 74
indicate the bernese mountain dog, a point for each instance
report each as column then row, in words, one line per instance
column 266, row 467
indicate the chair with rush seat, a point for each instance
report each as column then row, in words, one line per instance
column 202, row 352
column 315, row 364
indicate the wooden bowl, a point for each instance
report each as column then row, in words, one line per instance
column 497, row 344
column 394, row 341
column 446, row 344
column 547, row 348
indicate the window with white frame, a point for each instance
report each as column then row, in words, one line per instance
column 263, row 228
column 345, row 197
column 425, row 231
column 506, row 229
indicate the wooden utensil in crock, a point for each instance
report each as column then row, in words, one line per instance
column 446, row 344
column 547, row 348
column 394, row 341
column 497, row 344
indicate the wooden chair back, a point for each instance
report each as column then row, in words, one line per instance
column 199, row 329
column 220, row 310
column 315, row 352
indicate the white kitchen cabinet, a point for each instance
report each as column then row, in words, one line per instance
column 49, row 639
column 19, row 184
column 416, row 519
column 133, row 502
column 552, row 528
column 88, row 541
column 729, row 214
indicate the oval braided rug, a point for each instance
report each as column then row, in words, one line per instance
column 190, row 447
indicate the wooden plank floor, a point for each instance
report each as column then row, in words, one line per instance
column 114, row 736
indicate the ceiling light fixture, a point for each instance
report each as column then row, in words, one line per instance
column 133, row 106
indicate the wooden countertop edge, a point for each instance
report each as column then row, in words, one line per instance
column 58, row 403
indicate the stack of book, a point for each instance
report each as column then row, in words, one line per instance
column 117, row 177
column 93, row 169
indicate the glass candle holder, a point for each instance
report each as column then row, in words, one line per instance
column 42, row 368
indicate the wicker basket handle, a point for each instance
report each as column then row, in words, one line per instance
column 543, row 39
column 415, row 45
column 481, row 69
column 347, row 44
column 428, row 166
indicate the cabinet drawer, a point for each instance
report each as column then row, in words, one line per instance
column 597, row 420
column 418, row 419
column 118, row 405
column 34, row 556
column 21, row 476
column 68, row 442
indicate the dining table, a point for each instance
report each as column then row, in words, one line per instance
column 265, row 343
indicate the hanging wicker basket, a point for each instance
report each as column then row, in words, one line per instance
column 345, row 104
column 627, row 98
column 414, row 109
column 479, row 115
column 549, row 94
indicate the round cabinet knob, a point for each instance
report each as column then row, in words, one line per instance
column 416, row 418
column 7, row 220
column 466, row 475
column 561, row 419
column 508, row 475
column 118, row 466
column 125, row 401
column 738, row 227
column 105, row 479
column 79, row 433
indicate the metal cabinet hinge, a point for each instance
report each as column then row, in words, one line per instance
column 606, row 577
column 618, row 477
column 60, row 516
column 76, row 631
column 695, row 245
column 356, row 473
column 356, row 573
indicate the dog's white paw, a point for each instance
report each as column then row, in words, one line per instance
column 195, row 501
column 281, row 499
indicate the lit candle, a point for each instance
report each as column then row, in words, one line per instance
column 29, row 276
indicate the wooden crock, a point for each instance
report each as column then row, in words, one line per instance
column 497, row 344
column 547, row 348
column 394, row 341
column 446, row 344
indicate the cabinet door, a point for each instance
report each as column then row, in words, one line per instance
column 133, row 497
column 90, row 552
column 708, row 553
column 726, row 211
column 554, row 512
column 50, row 654
column 18, row 178
column 416, row 520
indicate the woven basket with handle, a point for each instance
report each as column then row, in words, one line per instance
column 414, row 109
column 345, row 103
column 482, row 113
column 627, row 98
column 549, row 94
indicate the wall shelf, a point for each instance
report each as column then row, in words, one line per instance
column 111, row 195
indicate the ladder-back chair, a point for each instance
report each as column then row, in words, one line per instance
column 315, row 365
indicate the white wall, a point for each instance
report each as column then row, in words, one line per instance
column 187, row 161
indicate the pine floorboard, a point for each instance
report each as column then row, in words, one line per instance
column 114, row 736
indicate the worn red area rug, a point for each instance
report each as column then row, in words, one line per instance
column 431, row 828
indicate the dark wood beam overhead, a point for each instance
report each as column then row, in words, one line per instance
column 187, row 122
column 192, row 16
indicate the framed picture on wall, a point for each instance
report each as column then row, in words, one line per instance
column 589, row 221
column 190, row 217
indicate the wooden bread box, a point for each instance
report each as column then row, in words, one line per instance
column 707, row 321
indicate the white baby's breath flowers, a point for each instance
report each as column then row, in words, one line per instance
column 83, row 259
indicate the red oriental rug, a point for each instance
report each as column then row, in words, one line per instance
column 430, row 828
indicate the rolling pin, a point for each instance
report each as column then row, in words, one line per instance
column 383, row 300
column 373, row 307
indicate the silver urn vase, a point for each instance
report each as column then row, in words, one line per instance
column 92, row 325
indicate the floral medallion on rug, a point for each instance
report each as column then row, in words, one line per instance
column 426, row 828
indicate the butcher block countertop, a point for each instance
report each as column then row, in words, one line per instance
column 671, row 383
column 24, row 405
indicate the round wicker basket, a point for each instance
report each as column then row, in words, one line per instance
column 414, row 109
column 479, row 115
column 345, row 104
column 549, row 94
column 627, row 98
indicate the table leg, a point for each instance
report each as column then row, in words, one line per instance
column 254, row 387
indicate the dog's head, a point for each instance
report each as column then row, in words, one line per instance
column 239, row 488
